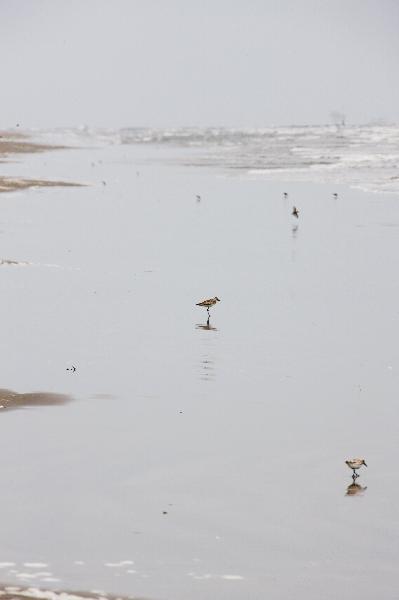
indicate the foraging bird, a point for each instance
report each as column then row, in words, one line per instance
column 355, row 463
column 285, row 195
column 208, row 303
column 198, row 197
column 295, row 212
column 335, row 195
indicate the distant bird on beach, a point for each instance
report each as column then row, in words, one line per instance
column 295, row 212
column 285, row 195
column 198, row 198
column 335, row 195
column 208, row 303
column 354, row 464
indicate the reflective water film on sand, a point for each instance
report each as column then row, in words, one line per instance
column 200, row 459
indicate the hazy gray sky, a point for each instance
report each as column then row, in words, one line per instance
column 197, row 62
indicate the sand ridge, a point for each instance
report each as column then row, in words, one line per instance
column 15, row 143
column 11, row 184
column 12, row 400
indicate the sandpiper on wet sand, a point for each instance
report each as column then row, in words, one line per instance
column 208, row 303
column 354, row 464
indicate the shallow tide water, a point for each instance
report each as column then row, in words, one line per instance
column 198, row 462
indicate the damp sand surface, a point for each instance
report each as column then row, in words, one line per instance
column 198, row 461
column 12, row 400
column 21, row 593
column 13, row 144
column 8, row 184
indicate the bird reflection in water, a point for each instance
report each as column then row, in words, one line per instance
column 207, row 363
column 206, row 326
column 294, row 232
column 355, row 489
column 207, row 371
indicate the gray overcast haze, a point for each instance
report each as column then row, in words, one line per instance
column 233, row 63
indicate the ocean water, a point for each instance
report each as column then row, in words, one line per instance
column 362, row 156
column 181, row 460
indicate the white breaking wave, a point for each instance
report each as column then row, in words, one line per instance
column 365, row 156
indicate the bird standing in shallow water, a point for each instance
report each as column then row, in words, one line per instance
column 208, row 303
column 295, row 212
column 354, row 464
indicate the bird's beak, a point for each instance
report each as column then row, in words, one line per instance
column 364, row 464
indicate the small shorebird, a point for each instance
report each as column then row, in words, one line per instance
column 355, row 463
column 208, row 303
column 295, row 212
column 335, row 195
column 198, row 197
column 285, row 195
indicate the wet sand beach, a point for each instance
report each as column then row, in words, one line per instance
column 12, row 400
column 18, row 593
column 197, row 461
column 11, row 144
column 10, row 185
